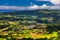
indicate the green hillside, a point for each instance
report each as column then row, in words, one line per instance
column 30, row 25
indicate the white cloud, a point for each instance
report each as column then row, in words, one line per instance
column 55, row 1
column 52, row 1
column 54, row 7
column 32, row 7
column 44, row 6
column 12, row 7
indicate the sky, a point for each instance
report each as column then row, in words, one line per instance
column 22, row 2
column 29, row 4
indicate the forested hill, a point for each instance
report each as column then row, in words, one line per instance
column 40, row 13
column 44, row 14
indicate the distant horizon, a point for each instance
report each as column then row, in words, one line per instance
column 23, row 10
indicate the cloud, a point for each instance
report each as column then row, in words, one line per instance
column 55, row 7
column 55, row 1
column 32, row 7
column 52, row 1
column 44, row 6
column 12, row 7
